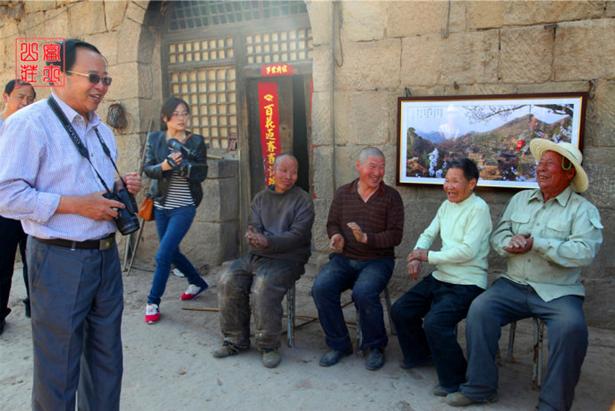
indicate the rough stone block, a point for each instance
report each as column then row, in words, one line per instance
column 129, row 35
column 319, row 13
column 135, row 12
column 600, row 168
column 584, row 50
column 86, row 18
column 220, row 200
column 554, row 87
column 345, row 160
column 322, row 170
column 481, row 15
column 600, row 120
column 129, row 152
column 479, row 89
column 364, row 117
column 29, row 25
column 526, row 54
column 134, row 80
column 369, row 65
column 56, row 25
column 320, row 239
column 114, row 13
column 321, row 68
column 610, row 9
column 406, row 19
column 34, row 6
column 364, row 21
column 107, row 44
column 321, row 118
column 461, row 58
column 211, row 243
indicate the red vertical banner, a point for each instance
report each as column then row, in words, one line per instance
column 268, row 106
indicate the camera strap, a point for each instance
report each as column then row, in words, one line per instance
column 81, row 148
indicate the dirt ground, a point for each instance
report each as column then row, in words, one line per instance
column 168, row 366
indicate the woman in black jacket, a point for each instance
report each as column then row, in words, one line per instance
column 177, row 165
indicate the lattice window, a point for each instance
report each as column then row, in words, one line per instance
column 201, row 51
column 284, row 46
column 194, row 14
column 212, row 98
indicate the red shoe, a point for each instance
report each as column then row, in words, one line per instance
column 152, row 313
column 191, row 292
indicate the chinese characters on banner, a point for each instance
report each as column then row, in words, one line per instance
column 37, row 59
column 277, row 70
column 268, row 101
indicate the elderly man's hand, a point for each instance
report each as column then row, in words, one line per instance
column 520, row 244
column 256, row 239
column 357, row 233
column 414, row 268
column 419, row 254
column 336, row 244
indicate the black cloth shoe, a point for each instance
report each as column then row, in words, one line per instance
column 333, row 357
column 2, row 323
column 375, row 359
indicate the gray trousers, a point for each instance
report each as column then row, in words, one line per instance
column 266, row 280
column 77, row 303
column 506, row 301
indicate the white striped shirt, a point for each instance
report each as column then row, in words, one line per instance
column 178, row 194
column 39, row 164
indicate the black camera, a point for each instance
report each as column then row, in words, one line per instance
column 127, row 221
column 184, row 168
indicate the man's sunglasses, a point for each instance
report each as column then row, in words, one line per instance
column 94, row 78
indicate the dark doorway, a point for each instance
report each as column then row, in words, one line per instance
column 294, row 93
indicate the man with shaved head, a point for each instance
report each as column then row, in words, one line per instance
column 365, row 223
column 279, row 235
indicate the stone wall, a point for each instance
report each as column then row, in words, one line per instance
column 437, row 48
column 127, row 33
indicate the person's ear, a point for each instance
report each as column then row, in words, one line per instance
column 5, row 97
column 473, row 183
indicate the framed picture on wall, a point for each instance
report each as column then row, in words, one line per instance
column 494, row 131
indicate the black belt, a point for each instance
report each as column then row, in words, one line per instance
column 102, row 244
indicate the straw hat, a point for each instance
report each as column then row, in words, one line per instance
column 539, row 146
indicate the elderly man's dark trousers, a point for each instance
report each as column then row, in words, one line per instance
column 426, row 318
column 11, row 236
column 367, row 279
column 77, row 303
column 262, row 283
column 506, row 301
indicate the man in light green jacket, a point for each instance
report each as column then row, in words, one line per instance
column 548, row 235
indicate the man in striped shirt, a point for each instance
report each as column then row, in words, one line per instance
column 366, row 222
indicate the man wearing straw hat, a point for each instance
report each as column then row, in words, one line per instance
column 547, row 235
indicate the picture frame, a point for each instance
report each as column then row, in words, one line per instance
column 492, row 130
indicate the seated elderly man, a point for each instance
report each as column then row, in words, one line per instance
column 547, row 235
column 426, row 316
column 365, row 223
column 279, row 236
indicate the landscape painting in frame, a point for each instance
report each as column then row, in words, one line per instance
column 494, row 131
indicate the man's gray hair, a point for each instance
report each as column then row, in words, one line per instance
column 281, row 157
column 369, row 152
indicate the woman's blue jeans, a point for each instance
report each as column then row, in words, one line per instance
column 172, row 226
